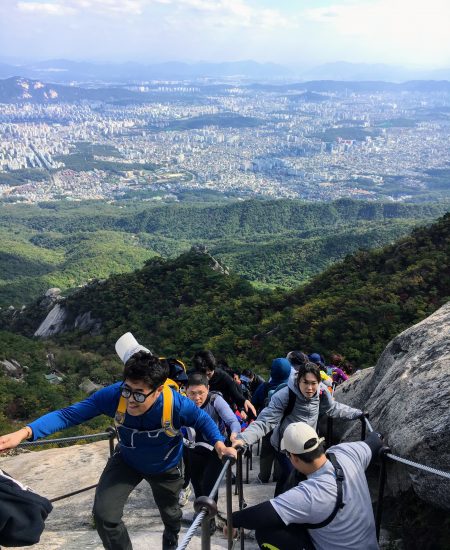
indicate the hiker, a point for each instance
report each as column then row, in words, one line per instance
column 318, row 360
column 297, row 358
column 252, row 380
column 330, row 509
column 335, row 371
column 303, row 399
column 148, row 416
column 204, row 464
column 205, row 363
column 280, row 371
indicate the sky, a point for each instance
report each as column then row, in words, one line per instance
column 294, row 33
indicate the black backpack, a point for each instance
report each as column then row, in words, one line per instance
column 22, row 513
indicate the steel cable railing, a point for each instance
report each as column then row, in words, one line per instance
column 206, row 508
column 110, row 434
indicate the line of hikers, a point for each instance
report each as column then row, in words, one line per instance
column 165, row 416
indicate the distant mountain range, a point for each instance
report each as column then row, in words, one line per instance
column 65, row 71
column 20, row 89
column 342, row 70
column 62, row 70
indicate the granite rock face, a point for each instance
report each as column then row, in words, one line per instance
column 407, row 395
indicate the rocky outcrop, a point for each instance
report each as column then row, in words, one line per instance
column 86, row 322
column 408, row 398
column 87, row 386
column 13, row 368
column 53, row 323
column 215, row 264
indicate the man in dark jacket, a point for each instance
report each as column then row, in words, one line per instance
column 219, row 381
column 252, row 380
column 279, row 376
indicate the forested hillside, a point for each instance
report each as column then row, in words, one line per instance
column 275, row 243
column 179, row 306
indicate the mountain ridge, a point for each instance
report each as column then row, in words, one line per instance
column 277, row 242
column 17, row 89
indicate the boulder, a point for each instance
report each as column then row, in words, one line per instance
column 407, row 396
column 13, row 368
column 87, row 386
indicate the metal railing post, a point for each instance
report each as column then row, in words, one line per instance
column 251, row 458
column 363, row 427
column 248, row 454
column 112, row 431
column 329, row 431
column 241, row 501
column 206, row 533
column 229, row 509
column 381, row 484
column 238, row 473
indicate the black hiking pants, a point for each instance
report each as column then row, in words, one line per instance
column 270, row 531
column 114, row 487
column 267, row 459
column 204, row 467
column 290, row 537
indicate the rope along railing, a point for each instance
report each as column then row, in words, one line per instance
column 418, row 466
column 206, row 507
column 110, row 434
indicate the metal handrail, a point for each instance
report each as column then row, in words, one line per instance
column 207, row 508
column 71, row 439
column 110, row 434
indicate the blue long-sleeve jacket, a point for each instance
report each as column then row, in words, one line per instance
column 146, row 452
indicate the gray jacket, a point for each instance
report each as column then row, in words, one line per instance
column 305, row 410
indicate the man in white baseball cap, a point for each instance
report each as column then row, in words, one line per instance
column 331, row 509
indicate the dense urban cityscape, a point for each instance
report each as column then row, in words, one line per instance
column 239, row 140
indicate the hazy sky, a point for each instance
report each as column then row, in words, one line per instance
column 291, row 32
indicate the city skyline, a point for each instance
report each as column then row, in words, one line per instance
column 296, row 34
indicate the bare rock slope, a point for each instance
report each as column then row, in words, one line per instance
column 56, row 472
column 407, row 395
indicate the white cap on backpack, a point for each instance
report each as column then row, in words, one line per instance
column 299, row 438
column 127, row 345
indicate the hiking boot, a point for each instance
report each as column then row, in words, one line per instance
column 184, row 495
column 169, row 540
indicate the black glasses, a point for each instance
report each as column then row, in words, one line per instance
column 138, row 396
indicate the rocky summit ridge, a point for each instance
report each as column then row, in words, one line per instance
column 407, row 395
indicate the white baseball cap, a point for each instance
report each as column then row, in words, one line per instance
column 127, row 345
column 299, row 438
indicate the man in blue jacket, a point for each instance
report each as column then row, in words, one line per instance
column 149, row 446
